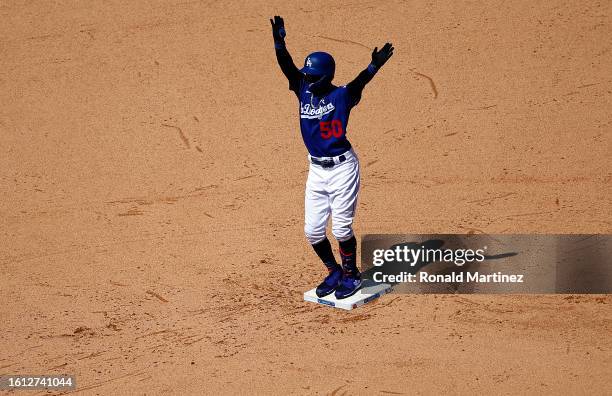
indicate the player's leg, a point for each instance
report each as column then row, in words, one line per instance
column 344, row 191
column 316, row 214
column 316, row 206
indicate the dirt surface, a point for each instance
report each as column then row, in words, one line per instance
column 152, row 179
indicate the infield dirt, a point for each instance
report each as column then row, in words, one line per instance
column 152, row 175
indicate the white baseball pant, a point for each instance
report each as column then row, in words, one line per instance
column 331, row 191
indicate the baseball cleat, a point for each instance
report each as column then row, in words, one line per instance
column 330, row 283
column 349, row 285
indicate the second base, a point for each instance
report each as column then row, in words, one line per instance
column 368, row 292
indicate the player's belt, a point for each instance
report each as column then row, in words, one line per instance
column 328, row 162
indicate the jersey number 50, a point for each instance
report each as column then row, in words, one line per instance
column 331, row 128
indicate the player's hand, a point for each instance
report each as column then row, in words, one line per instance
column 379, row 58
column 278, row 29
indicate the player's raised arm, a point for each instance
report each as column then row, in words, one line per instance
column 379, row 58
column 282, row 54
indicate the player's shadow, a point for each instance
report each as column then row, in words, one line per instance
column 395, row 267
column 583, row 264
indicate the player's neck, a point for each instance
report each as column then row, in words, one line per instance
column 322, row 90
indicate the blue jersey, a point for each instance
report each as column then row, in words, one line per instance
column 324, row 119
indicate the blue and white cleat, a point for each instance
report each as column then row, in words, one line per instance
column 349, row 285
column 330, row 283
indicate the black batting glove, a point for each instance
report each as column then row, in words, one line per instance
column 278, row 29
column 379, row 58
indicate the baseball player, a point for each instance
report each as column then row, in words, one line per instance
column 333, row 178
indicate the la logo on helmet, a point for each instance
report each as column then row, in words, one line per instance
column 308, row 62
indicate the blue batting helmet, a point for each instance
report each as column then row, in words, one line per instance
column 319, row 64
